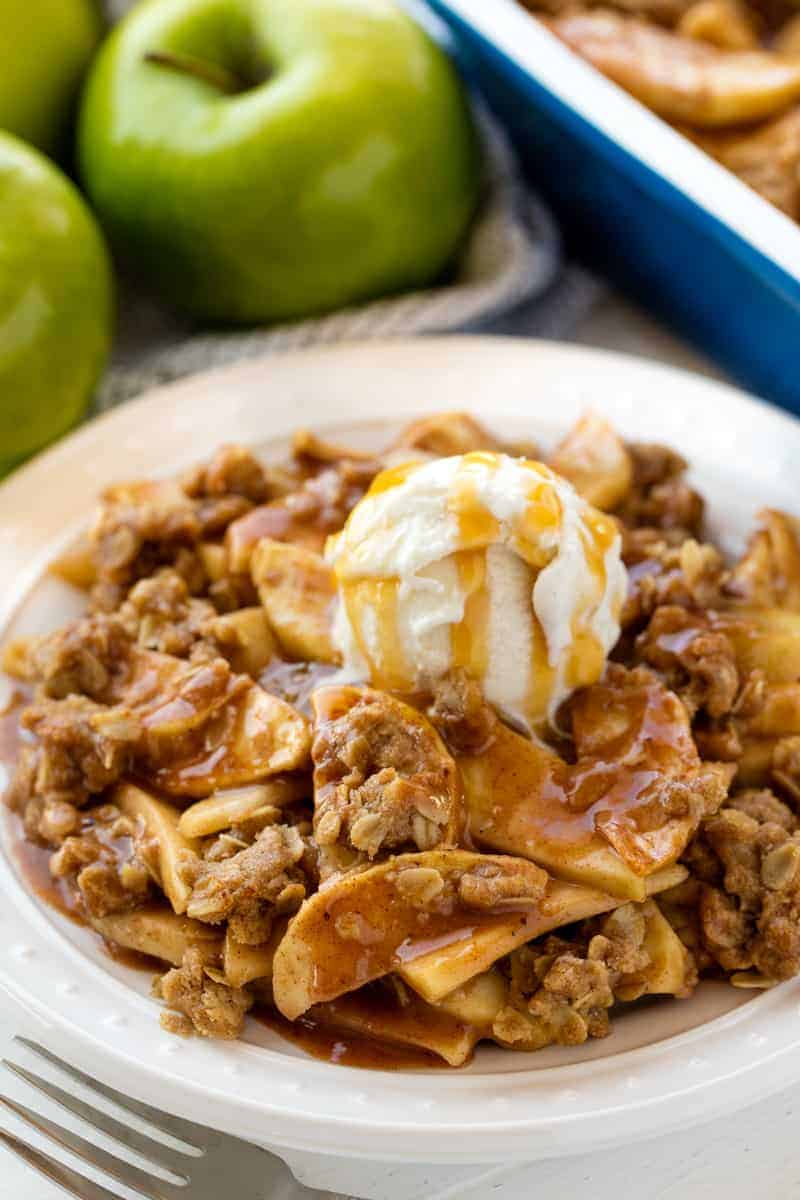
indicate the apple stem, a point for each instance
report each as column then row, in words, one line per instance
column 218, row 77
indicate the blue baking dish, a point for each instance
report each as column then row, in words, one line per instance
column 639, row 201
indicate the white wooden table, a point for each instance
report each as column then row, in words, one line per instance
column 754, row 1154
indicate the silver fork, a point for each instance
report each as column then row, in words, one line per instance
column 210, row 1165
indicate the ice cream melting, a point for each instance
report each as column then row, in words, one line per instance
column 485, row 562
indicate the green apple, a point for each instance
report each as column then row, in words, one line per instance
column 260, row 160
column 55, row 302
column 45, row 48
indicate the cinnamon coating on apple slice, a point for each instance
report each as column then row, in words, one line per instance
column 628, row 805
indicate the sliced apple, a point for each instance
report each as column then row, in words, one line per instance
column 244, row 638
column 406, row 1022
column 361, row 927
column 766, row 639
column 754, row 767
column 447, row 433
column 761, row 734
column 254, row 736
column 227, row 808
column 516, row 795
column 308, row 446
column 681, row 79
column 728, row 24
column 207, row 728
column 214, row 558
column 297, row 589
column 159, row 494
column 768, row 573
column 157, row 931
column 18, row 659
column 76, row 565
column 281, row 520
column 478, row 1001
column 667, row 971
column 594, row 458
column 160, row 822
column 173, row 697
column 440, row 971
column 603, row 822
column 778, row 715
column 765, row 156
column 242, row 964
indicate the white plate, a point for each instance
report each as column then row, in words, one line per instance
column 669, row 1064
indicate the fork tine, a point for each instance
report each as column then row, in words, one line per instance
column 65, row 1177
column 186, row 1131
column 117, row 1168
column 157, row 1152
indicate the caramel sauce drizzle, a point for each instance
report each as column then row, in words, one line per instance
column 324, row 1040
column 522, row 798
column 469, row 637
column 373, row 603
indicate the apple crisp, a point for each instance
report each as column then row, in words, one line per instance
column 224, row 777
column 726, row 73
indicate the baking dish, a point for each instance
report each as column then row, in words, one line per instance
column 640, row 202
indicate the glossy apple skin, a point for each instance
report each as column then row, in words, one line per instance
column 45, row 48
column 351, row 171
column 55, row 302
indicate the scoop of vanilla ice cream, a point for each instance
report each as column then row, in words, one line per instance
column 485, row 562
